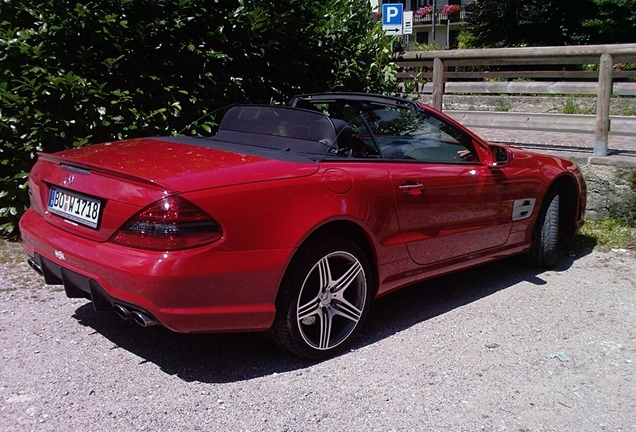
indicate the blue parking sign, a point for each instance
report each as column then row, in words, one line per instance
column 392, row 14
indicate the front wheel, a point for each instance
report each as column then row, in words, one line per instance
column 545, row 238
column 323, row 299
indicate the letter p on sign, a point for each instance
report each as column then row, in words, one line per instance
column 392, row 14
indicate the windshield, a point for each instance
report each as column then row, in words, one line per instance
column 402, row 135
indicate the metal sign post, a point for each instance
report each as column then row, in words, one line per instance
column 434, row 17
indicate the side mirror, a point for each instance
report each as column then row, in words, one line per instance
column 499, row 156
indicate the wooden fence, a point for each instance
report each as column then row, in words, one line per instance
column 537, row 70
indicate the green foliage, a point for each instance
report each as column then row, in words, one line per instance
column 356, row 48
column 498, row 23
column 571, row 107
column 496, row 79
column 99, row 71
column 628, row 111
column 610, row 233
column 467, row 40
column 604, row 234
column 502, row 106
column 613, row 22
column 428, row 47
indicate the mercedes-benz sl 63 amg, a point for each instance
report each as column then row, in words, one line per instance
column 290, row 219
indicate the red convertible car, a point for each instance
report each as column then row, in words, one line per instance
column 290, row 219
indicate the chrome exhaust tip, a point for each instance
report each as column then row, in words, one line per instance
column 123, row 312
column 143, row 320
column 35, row 266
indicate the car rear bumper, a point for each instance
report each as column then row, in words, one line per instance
column 193, row 291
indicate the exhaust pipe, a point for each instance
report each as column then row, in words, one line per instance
column 143, row 320
column 123, row 312
column 35, row 266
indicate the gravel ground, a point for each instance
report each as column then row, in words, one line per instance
column 497, row 348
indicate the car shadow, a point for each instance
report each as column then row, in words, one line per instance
column 218, row 358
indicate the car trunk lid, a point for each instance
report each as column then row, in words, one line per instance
column 111, row 182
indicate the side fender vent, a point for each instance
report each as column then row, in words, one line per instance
column 522, row 208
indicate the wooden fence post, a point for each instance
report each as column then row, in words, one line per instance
column 438, row 83
column 603, row 105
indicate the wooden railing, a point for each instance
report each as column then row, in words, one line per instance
column 539, row 70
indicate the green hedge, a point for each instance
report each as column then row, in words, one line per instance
column 75, row 73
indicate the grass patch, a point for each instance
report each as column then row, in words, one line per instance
column 628, row 111
column 607, row 234
column 502, row 106
column 571, row 107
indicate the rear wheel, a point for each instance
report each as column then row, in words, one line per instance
column 323, row 299
column 545, row 238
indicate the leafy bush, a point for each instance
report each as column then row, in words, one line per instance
column 498, row 23
column 613, row 21
column 85, row 72
column 428, row 47
column 467, row 40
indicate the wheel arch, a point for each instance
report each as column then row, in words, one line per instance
column 353, row 232
column 568, row 191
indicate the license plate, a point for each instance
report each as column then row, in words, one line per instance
column 75, row 207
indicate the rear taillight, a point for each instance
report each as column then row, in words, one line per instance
column 171, row 223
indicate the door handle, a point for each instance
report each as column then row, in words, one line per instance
column 412, row 188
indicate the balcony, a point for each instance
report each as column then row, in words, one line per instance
column 440, row 16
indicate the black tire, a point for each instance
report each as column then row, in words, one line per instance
column 545, row 237
column 323, row 299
